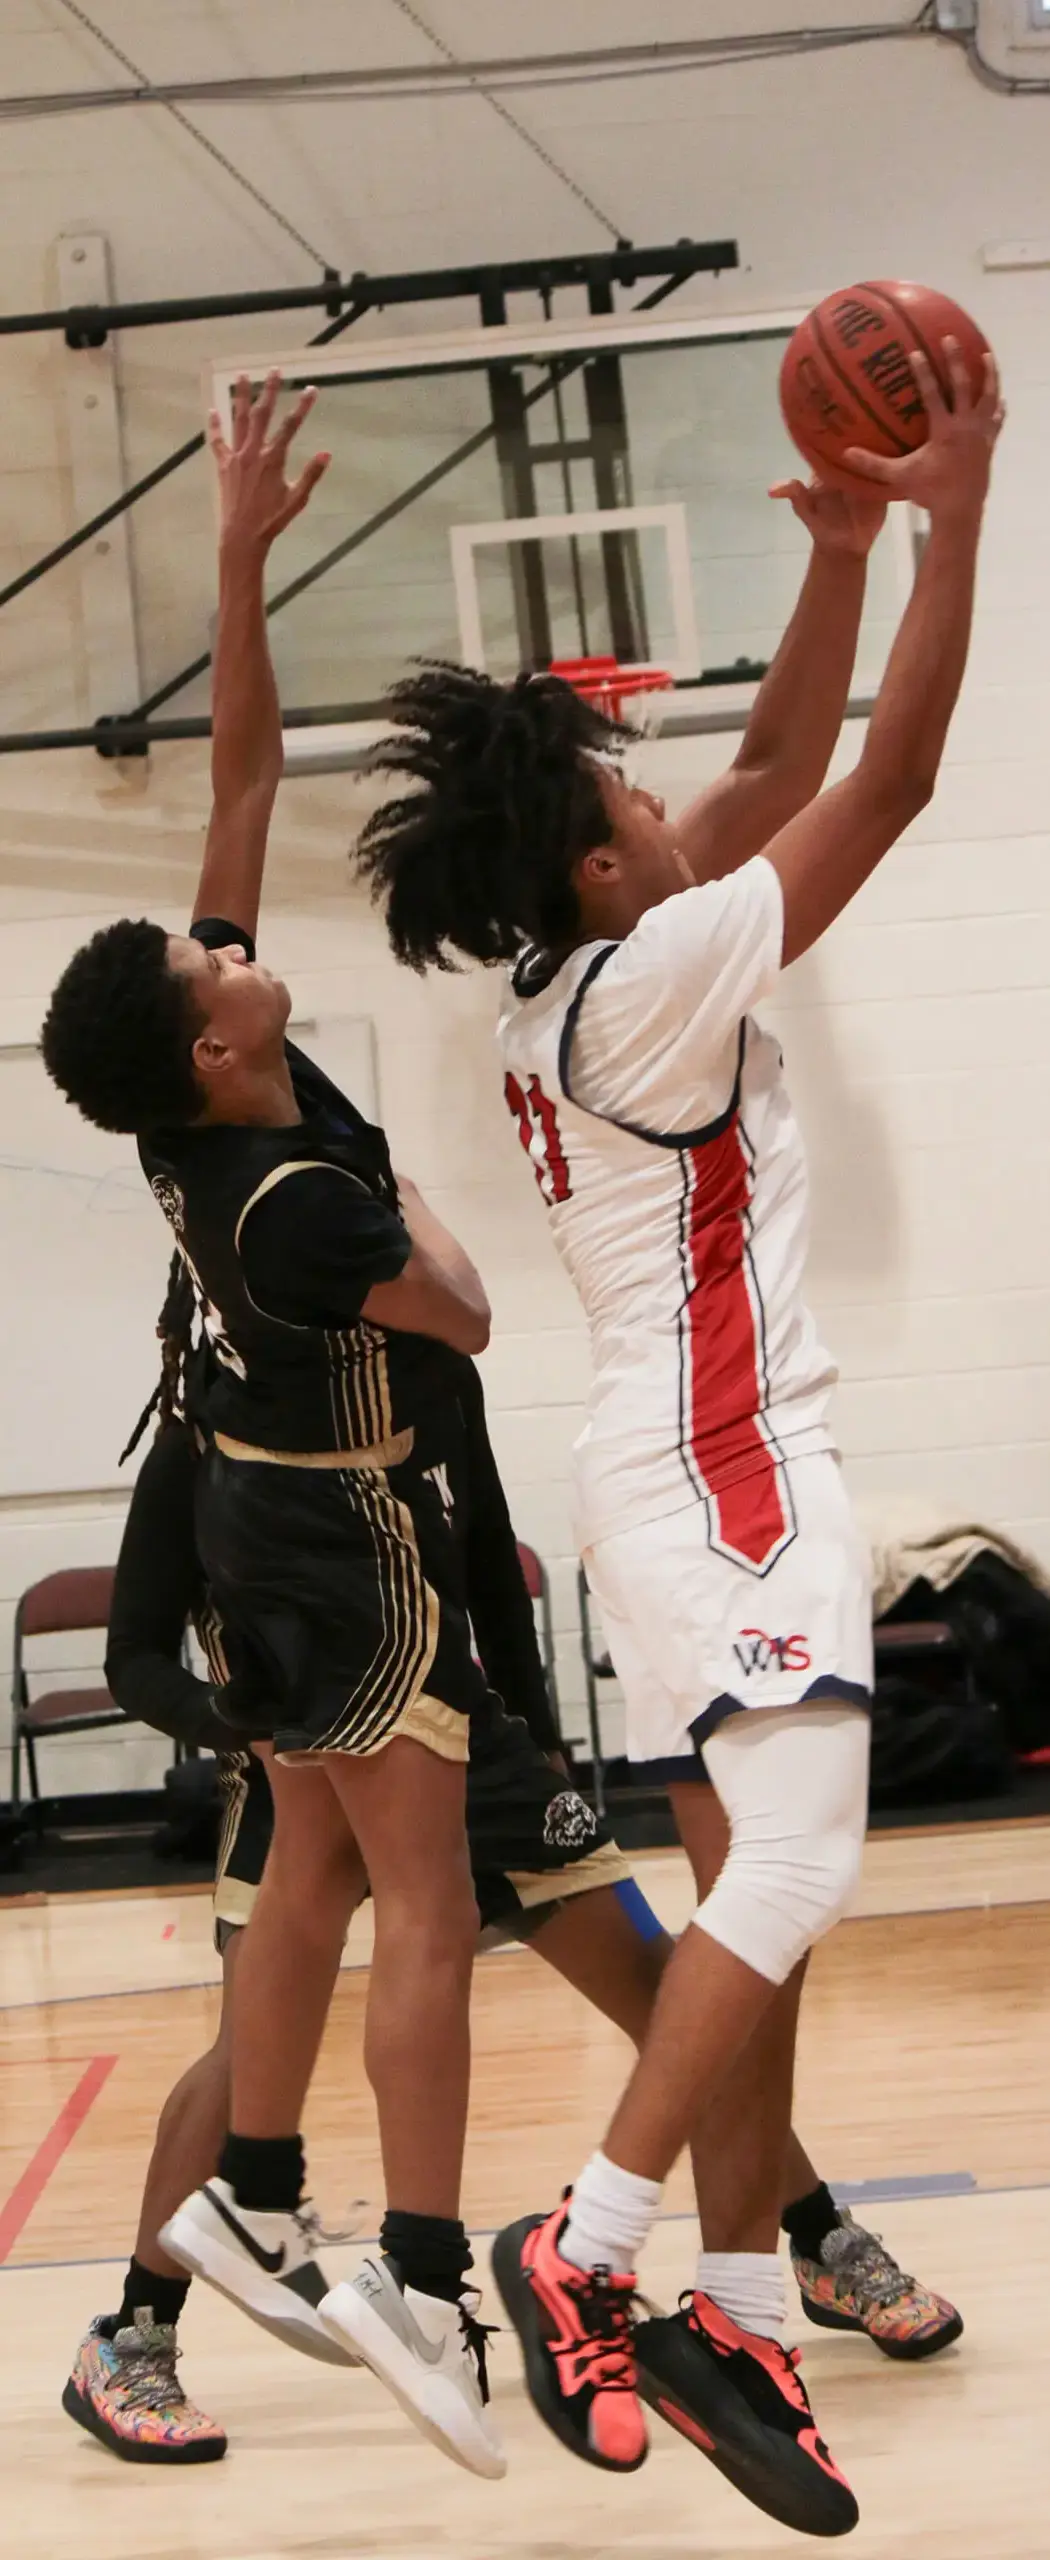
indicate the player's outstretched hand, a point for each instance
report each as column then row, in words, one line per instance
column 837, row 521
column 256, row 499
column 949, row 474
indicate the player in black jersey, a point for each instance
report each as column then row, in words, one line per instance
column 544, row 1870
column 332, row 1299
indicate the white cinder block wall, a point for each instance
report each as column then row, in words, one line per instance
column 918, row 1037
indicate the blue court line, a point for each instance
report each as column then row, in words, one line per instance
column 950, row 2182
column 938, row 2188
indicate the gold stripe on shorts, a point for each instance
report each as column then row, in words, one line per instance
column 233, row 1901
column 209, row 1630
column 440, row 1729
column 385, row 1453
column 604, row 1865
column 233, row 1778
column 411, row 1616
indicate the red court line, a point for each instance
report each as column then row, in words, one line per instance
column 20, row 2203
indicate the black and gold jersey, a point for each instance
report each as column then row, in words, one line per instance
column 284, row 1232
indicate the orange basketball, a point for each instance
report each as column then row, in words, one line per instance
column 846, row 378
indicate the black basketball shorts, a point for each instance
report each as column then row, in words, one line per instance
column 533, row 1840
column 346, row 1586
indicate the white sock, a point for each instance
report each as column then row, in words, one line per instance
column 747, row 2285
column 610, row 2217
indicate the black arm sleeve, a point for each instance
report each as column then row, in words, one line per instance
column 500, row 1608
column 158, row 1584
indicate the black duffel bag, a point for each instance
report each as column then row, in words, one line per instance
column 935, row 1739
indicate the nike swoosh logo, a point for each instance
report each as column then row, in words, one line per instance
column 421, row 2345
column 270, row 2260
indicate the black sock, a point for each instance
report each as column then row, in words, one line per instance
column 429, row 2254
column 165, row 2296
column 266, row 2177
column 809, row 2221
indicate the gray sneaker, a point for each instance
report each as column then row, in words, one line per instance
column 430, row 2354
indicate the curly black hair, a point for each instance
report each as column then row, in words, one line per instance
column 119, row 1032
column 175, row 1335
column 479, row 855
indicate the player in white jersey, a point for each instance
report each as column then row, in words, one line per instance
column 711, row 1515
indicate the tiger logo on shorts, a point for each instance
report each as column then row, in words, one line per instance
column 569, row 1822
column 169, row 1198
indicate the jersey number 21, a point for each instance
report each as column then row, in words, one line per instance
column 540, row 1136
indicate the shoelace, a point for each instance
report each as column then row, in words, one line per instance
column 867, row 2259
column 148, row 2378
column 609, row 2345
column 476, row 2338
column 315, row 2233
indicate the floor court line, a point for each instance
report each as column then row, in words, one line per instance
column 953, row 2186
column 26, row 2194
column 513, row 1947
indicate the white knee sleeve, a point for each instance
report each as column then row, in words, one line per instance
column 794, row 1784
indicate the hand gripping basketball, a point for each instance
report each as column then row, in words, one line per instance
column 949, row 474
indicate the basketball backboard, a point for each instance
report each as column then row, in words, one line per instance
column 510, row 495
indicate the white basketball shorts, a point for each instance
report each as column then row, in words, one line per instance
column 696, row 1635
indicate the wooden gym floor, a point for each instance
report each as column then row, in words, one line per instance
column 924, row 2075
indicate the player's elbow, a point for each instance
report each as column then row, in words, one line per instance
column 898, row 793
column 923, row 787
column 474, row 1327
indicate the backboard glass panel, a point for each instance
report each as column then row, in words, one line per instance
column 640, row 451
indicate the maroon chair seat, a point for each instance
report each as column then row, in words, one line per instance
column 74, row 1601
column 75, row 1709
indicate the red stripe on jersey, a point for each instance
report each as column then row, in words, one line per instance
column 723, row 1388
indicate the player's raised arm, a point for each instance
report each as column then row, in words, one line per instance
column 256, row 501
column 790, row 737
column 827, row 853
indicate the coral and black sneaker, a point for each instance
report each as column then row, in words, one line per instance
column 577, row 2334
column 855, row 2284
column 741, row 2399
column 125, row 2391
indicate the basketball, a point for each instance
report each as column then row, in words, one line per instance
column 847, row 379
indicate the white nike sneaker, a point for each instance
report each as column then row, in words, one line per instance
column 430, row 2354
column 266, row 2262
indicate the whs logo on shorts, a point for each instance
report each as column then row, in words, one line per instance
column 757, row 1652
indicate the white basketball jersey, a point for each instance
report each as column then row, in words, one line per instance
column 654, row 1113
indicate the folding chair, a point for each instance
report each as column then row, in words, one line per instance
column 62, row 1604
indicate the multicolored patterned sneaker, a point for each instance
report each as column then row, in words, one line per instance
column 576, row 2332
column 855, row 2284
column 125, row 2391
column 742, row 2400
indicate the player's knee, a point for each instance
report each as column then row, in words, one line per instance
column 821, row 1875
column 776, row 1897
column 443, row 1924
